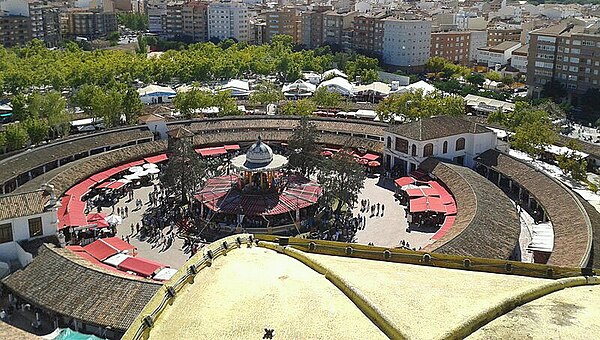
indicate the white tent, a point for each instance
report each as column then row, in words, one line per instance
column 420, row 85
column 335, row 72
column 366, row 114
column 299, row 88
column 376, row 87
column 153, row 94
column 238, row 88
column 338, row 84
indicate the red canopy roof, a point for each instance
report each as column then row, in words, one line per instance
column 104, row 248
column 103, row 185
column 448, row 222
column 402, row 181
column 98, row 219
column 140, row 266
column 232, row 147
column 71, row 213
column 157, row 159
column 370, row 157
column 116, row 185
column 81, row 188
column 451, row 209
column 219, row 150
column 423, row 204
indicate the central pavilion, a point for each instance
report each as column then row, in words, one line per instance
column 261, row 194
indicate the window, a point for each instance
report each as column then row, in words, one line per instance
column 445, row 147
column 460, row 144
column 401, row 145
column 35, row 227
column 428, row 150
column 413, row 150
column 389, row 142
column 6, row 233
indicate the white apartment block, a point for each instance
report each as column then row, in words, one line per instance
column 228, row 19
column 478, row 39
column 406, row 42
column 499, row 55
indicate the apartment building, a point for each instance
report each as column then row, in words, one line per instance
column 173, row 20
column 14, row 30
column 498, row 55
column 499, row 34
column 478, row 39
column 406, row 42
column 519, row 58
column 195, row 21
column 45, row 22
column 453, row 46
column 90, row 24
column 228, row 19
column 311, row 23
column 566, row 53
column 282, row 21
column 157, row 13
column 334, row 24
column 368, row 32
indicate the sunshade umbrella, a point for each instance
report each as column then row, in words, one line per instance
column 373, row 164
column 135, row 169
column 326, row 153
column 124, row 180
column 153, row 171
column 150, row 166
column 132, row 177
column 362, row 161
column 141, row 173
column 114, row 219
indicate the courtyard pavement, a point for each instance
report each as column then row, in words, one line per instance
column 387, row 230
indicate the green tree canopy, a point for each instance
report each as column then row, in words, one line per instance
column 302, row 107
column 342, row 179
column 266, row 93
column 304, row 149
column 16, row 137
column 414, row 105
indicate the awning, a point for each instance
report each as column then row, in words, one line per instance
column 370, row 157
column 165, row 274
column 142, row 267
column 104, row 185
column 156, row 159
column 98, row 219
column 402, row 181
column 116, row 185
column 448, row 222
column 422, row 192
column 116, row 259
column 424, row 204
column 220, row 150
column 232, row 147
column 103, row 248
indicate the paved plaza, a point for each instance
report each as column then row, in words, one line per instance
column 390, row 229
column 173, row 256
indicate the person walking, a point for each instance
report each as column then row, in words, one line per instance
column 126, row 211
column 132, row 229
column 378, row 206
column 382, row 209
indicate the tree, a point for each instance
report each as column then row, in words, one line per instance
column 52, row 107
column 476, row 79
column 493, row 76
column 266, row 93
column 590, row 102
column 187, row 103
column 341, row 179
column 2, row 141
column 533, row 137
column 328, row 99
column 573, row 164
column 302, row 107
column 226, row 104
column 507, row 80
column 305, row 151
column 16, row 137
column 113, row 37
column 132, row 105
column 37, row 129
column 133, row 21
column 555, row 90
column 415, row 105
column 185, row 171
